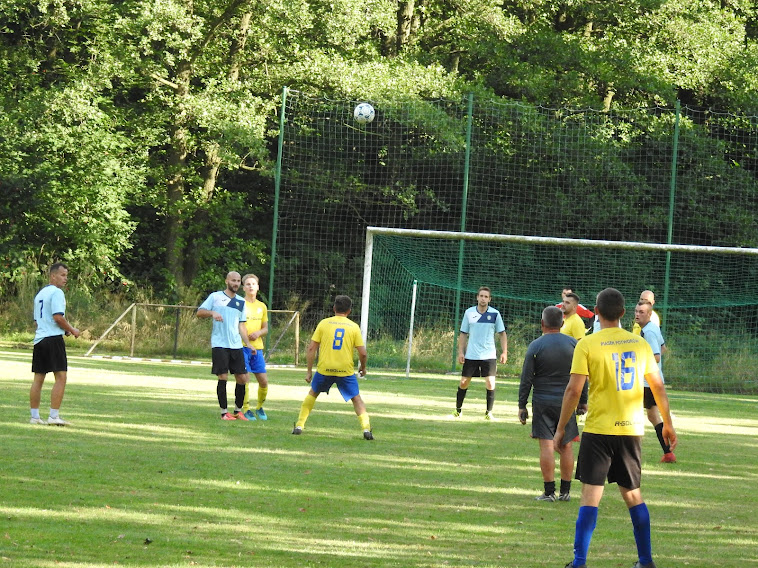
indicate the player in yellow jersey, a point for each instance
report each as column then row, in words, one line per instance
column 573, row 325
column 257, row 327
column 615, row 362
column 334, row 339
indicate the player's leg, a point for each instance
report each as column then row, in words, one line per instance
column 220, row 362
column 56, row 395
column 592, row 467
column 305, row 410
column 627, row 472
column 222, row 398
column 640, row 516
column 262, row 395
column 586, row 520
column 360, row 412
column 241, row 381
column 462, row 387
column 35, row 395
column 654, row 416
column 489, row 384
column 547, row 467
column 567, row 470
column 348, row 387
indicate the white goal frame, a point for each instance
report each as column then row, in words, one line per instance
column 371, row 232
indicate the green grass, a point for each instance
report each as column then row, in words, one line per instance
column 149, row 476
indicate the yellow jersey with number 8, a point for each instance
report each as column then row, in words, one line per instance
column 337, row 337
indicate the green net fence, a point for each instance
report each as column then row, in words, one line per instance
column 712, row 345
column 651, row 175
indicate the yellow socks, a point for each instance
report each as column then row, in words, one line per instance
column 262, row 392
column 246, row 402
column 365, row 424
column 305, row 410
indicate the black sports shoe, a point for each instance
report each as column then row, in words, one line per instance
column 571, row 565
column 639, row 564
column 297, row 430
column 367, row 435
column 564, row 497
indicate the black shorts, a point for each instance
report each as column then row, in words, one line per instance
column 616, row 458
column 479, row 368
column 649, row 400
column 49, row 355
column 226, row 360
column 545, row 421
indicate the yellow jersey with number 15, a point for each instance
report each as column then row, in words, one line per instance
column 337, row 337
column 616, row 362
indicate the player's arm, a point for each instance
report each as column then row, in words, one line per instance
column 62, row 322
column 243, row 335
column 570, row 401
column 525, row 386
column 655, row 383
column 462, row 341
column 260, row 333
column 310, row 358
column 503, row 347
column 362, row 359
column 203, row 313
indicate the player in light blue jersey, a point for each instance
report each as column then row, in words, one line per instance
column 229, row 333
column 650, row 332
column 477, row 351
column 49, row 349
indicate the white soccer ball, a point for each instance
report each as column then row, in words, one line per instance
column 364, row 113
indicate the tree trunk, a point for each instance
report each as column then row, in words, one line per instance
column 404, row 24
column 177, row 160
column 238, row 46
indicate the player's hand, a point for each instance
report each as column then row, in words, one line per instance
column 558, row 439
column 75, row 332
column 669, row 436
column 581, row 409
column 503, row 358
column 361, row 372
column 523, row 414
column 308, row 377
column 461, row 359
column 217, row 316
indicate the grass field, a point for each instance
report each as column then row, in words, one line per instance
column 148, row 475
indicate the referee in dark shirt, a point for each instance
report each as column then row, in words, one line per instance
column 546, row 370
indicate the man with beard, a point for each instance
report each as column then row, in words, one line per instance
column 229, row 332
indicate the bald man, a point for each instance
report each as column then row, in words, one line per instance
column 227, row 337
column 647, row 296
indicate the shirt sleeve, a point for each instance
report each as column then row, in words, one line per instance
column 207, row 304
column 464, row 324
column 58, row 302
column 527, row 376
column 580, row 362
column 499, row 324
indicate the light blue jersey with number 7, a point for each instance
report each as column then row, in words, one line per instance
column 48, row 302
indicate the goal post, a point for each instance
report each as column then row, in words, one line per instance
column 706, row 295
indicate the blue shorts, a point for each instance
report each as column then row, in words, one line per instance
column 255, row 363
column 348, row 386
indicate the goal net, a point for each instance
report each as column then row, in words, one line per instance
column 706, row 296
column 174, row 332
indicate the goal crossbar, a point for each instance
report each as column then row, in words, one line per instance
column 371, row 232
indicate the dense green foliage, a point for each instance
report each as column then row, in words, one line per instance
column 136, row 137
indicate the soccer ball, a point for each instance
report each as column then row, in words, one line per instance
column 364, row 113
